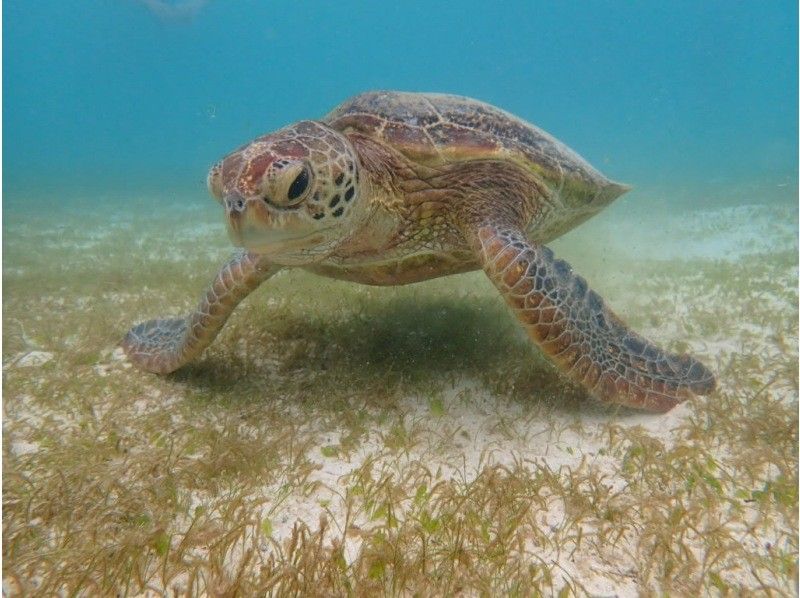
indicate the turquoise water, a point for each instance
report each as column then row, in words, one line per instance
column 341, row 439
column 693, row 101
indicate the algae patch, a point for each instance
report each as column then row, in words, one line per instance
column 342, row 439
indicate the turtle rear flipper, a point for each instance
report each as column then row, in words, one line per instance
column 164, row 345
column 575, row 328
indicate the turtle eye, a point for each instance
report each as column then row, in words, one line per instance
column 298, row 186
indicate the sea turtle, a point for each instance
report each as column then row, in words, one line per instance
column 392, row 188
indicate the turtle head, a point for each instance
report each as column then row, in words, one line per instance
column 292, row 194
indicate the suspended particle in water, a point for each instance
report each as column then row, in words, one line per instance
column 177, row 11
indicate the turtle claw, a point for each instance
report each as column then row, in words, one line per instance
column 155, row 345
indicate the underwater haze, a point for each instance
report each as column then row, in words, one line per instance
column 340, row 439
column 693, row 99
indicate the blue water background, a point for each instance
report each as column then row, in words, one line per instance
column 103, row 99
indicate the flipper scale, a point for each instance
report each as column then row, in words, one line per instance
column 580, row 334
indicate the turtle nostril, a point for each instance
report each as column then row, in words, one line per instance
column 235, row 204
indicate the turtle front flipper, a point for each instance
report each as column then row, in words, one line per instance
column 162, row 346
column 574, row 327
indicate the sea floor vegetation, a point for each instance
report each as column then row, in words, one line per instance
column 344, row 440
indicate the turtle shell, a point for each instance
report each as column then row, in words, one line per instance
column 437, row 128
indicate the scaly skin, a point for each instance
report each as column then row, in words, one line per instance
column 164, row 345
column 579, row 333
column 393, row 188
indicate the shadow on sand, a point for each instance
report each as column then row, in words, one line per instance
column 387, row 346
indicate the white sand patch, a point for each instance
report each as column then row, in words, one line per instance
column 32, row 359
column 474, row 431
column 459, row 432
column 23, row 448
column 725, row 233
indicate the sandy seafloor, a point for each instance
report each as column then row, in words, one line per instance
column 436, row 449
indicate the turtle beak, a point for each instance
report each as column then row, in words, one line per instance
column 236, row 208
column 251, row 225
column 214, row 181
column 248, row 221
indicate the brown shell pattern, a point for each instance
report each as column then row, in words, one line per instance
column 437, row 128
